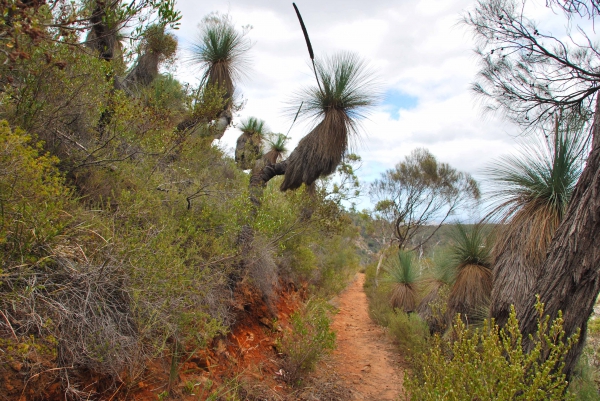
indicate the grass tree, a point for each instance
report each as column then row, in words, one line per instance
column 470, row 253
column 157, row 47
column 221, row 52
column 531, row 191
column 402, row 272
column 248, row 148
column 530, row 75
column 346, row 92
column 104, row 30
column 277, row 148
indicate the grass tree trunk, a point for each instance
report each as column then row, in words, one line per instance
column 102, row 37
column 516, row 271
column 569, row 280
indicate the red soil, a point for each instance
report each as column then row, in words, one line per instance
column 364, row 366
column 246, row 354
column 365, row 358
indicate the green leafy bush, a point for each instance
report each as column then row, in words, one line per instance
column 489, row 363
column 409, row 331
column 116, row 206
column 311, row 338
column 33, row 196
column 379, row 303
column 337, row 261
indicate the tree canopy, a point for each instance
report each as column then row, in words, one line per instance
column 418, row 191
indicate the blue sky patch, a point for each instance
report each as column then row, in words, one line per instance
column 394, row 100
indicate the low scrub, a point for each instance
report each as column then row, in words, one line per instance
column 409, row 331
column 489, row 363
column 311, row 339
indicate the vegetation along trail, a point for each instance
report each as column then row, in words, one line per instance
column 365, row 357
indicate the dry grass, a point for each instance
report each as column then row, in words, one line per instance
column 87, row 308
column 262, row 269
column 471, row 291
column 404, row 297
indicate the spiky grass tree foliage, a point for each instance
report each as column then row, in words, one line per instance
column 347, row 92
column 437, row 283
column 248, row 148
column 277, row 148
column 531, row 191
column 221, row 51
column 402, row 273
column 471, row 255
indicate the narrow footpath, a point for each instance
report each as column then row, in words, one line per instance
column 365, row 359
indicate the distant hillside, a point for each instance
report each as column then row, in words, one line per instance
column 371, row 236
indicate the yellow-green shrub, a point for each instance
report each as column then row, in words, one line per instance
column 489, row 363
column 33, row 196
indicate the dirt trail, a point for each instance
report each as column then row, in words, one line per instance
column 365, row 358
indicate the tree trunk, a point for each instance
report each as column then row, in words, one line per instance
column 569, row 280
column 264, row 175
column 102, row 37
column 378, row 267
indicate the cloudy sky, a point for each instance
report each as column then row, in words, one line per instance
column 422, row 56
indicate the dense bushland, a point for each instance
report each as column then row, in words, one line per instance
column 122, row 231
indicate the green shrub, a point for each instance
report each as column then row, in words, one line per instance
column 409, row 331
column 311, row 339
column 33, row 197
column 379, row 305
column 489, row 363
column 337, row 261
column 583, row 385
